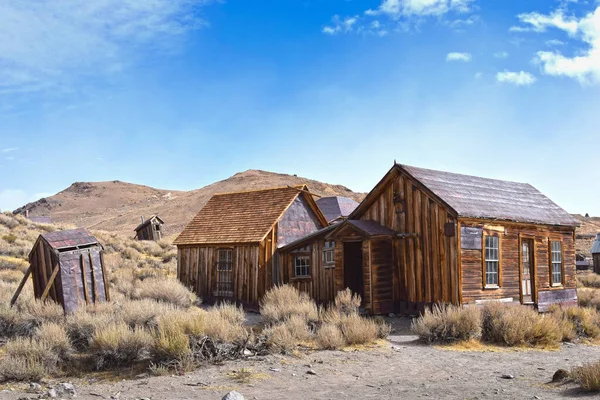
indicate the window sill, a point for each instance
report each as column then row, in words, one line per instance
column 301, row 278
column 557, row 285
column 491, row 287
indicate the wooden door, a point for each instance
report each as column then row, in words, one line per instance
column 353, row 267
column 527, row 276
column 225, row 273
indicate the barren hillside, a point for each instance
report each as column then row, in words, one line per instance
column 118, row 206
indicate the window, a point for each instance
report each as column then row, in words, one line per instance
column 492, row 261
column 301, row 266
column 329, row 253
column 225, row 272
column 556, row 263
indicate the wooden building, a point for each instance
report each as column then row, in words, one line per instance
column 229, row 250
column 596, row 254
column 336, row 208
column 423, row 236
column 150, row 229
column 68, row 267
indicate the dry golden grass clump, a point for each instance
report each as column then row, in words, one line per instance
column 118, row 344
column 165, row 290
column 330, row 337
column 588, row 298
column 443, row 324
column 588, row 376
column 577, row 322
column 588, row 281
column 346, row 302
column 281, row 302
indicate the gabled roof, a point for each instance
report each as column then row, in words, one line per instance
column 481, row 198
column 148, row 221
column 308, row 238
column 596, row 245
column 243, row 217
column 69, row 238
column 336, row 206
column 365, row 228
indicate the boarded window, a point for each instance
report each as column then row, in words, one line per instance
column 492, row 260
column 329, row 253
column 557, row 263
column 225, row 273
column 301, row 265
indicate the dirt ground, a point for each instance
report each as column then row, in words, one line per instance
column 398, row 368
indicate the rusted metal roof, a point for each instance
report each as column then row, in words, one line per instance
column 484, row 198
column 148, row 221
column 241, row 217
column 596, row 245
column 70, row 238
column 336, row 206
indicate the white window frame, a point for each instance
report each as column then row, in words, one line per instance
column 302, row 265
column 329, row 254
column 556, row 261
column 491, row 258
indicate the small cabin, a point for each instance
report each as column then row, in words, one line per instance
column 336, row 208
column 150, row 229
column 229, row 250
column 68, row 267
column 596, row 254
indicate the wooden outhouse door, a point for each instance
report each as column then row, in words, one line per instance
column 527, row 260
column 225, row 273
column 353, row 267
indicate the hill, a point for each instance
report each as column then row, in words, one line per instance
column 116, row 206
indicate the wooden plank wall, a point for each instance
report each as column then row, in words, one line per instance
column 382, row 276
column 197, row 269
column 425, row 265
column 509, row 233
column 321, row 285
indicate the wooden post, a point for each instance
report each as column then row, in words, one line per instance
column 50, row 282
column 106, row 293
column 21, row 285
column 94, row 286
column 85, row 291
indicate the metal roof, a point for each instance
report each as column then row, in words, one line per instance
column 336, row 206
column 596, row 245
column 40, row 219
column 69, row 238
column 484, row 198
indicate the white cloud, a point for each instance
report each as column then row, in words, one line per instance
column 48, row 42
column 399, row 8
column 520, row 78
column 11, row 199
column 501, row 54
column 339, row 24
column 9, row 149
column 554, row 42
column 455, row 56
column 583, row 67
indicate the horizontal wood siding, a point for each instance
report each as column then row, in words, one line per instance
column 510, row 235
column 425, row 266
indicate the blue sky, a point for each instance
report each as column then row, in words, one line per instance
column 177, row 94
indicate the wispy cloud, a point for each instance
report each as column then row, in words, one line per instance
column 520, row 78
column 455, row 56
column 583, row 67
column 46, row 43
column 554, row 42
column 9, row 149
column 501, row 54
column 396, row 15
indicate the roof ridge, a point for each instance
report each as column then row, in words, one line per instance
column 467, row 175
column 263, row 190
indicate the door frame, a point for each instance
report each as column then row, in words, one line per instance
column 358, row 243
column 532, row 268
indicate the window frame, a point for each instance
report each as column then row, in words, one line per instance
column 551, row 263
column 295, row 267
column 329, row 250
column 484, row 262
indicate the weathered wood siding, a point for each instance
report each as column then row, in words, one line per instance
column 510, row 235
column 596, row 262
column 426, row 263
column 321, row 285
column 197, row 269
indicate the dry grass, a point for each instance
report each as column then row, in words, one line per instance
column 577, row 322
column 588, row 376
column 17, row 368
column 346, row 302
column 589, row 298
column 444, row 324
column 118, row 344
column 166, row 290
column 55, row 336
column 589, row 281
column 358, row 330
column 330, row 337
column 281, row 302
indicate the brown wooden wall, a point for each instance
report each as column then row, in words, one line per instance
column 425, row 264
column 43, row 260
column 510, row 249
column 321, row 285
column 596, row 262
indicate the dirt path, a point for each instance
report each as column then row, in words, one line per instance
column 399, row 368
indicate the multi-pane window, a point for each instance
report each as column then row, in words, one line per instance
column 556, row 263
column 329, row 253
column 225, row 272
column 492, row 260
column 301, row 266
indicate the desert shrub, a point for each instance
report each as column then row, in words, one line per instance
column 171, row 342
column 582, row 322
column 117, row 344
column 17, row 368
column 42, row 311
column 143, row 313
column 27, row 316
column 518, row 325
column 33, row 350
column 448, row 323
column 588, row 376
column 130, row 254
column 55, row 336
column 231, row 312
column 588, row 298
column 8, row 221
column 9, row 238
column 347, row 302
column 358, row 330
column 383, row 328
column 222, row 329
column 589, row 281
column 166, row 290
column 281, row 302
column 279, row 338
column 330, row 337
column 11, row 276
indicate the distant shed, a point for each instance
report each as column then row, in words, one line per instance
column 596, row 254
column 68, row 267
column 150, row 229
column 41, row 219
